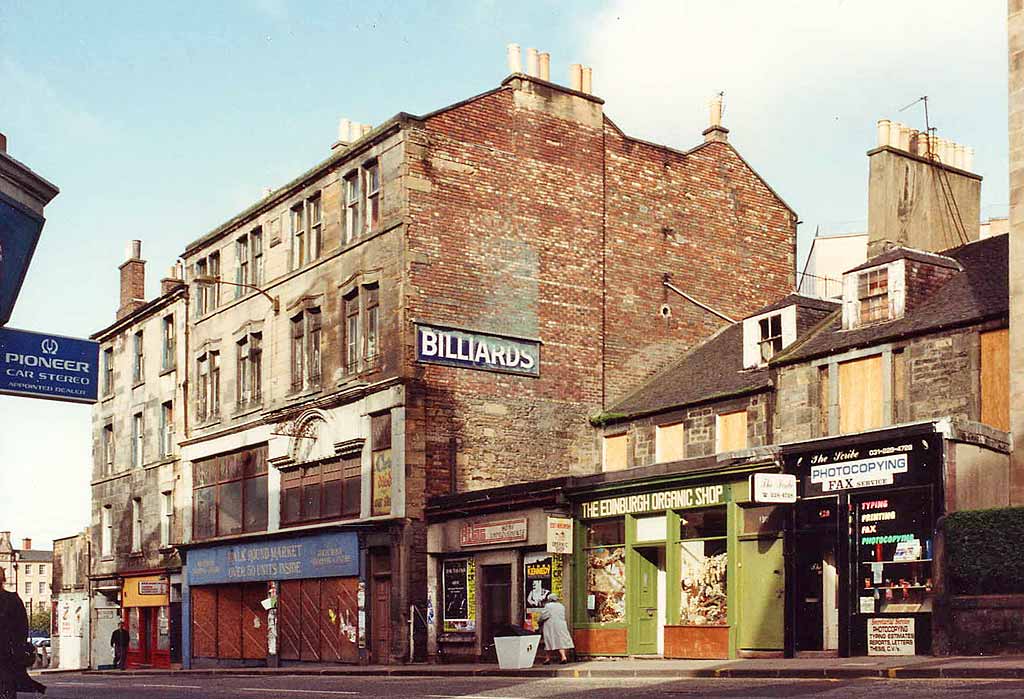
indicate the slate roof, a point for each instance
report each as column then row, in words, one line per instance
column 931, row 258
column 980, row 292
column 799, row 300
column 35, row 556
column 711, row 370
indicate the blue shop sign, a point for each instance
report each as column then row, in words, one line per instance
column 474, row 350
column 48, row 366
column 330, row 555
column 19, row 233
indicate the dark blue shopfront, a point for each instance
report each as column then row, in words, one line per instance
column 297, row 598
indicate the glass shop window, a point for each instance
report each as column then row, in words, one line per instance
column 605, row 552
column 702, row 569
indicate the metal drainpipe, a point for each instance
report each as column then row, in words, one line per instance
column 184, row 383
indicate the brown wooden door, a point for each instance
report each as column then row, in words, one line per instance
column 382, row 620
column 204, row 622
column 254, row 621
column 338, row 620
column 288, row 619
column 309, row 626
column 229, row 627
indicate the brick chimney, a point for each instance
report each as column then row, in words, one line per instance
column 133, row 281
column 172, row 281
column 922, row 192
column 26, row 544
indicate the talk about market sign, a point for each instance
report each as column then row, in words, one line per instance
column 473, row 350
column 909, row 460
column 334, row 555
column 48, row 366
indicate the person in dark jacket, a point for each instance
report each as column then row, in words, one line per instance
column 13, row 638
column 119, row 640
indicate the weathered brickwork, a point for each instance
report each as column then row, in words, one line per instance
column 534, row 216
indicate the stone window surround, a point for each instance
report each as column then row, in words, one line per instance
column 832, row 362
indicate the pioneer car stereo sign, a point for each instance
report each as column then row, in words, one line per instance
column 48, row 366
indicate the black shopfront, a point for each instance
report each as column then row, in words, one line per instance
column 860, row 541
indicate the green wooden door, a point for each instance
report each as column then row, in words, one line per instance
column 762, row 594
column 643, row 603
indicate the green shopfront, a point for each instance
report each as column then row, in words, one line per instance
column 680, row 567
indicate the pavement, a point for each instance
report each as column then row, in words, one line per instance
column 905, row 667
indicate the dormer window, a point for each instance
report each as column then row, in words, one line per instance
column 873, row 295
column 767, row 334
column 771, row 336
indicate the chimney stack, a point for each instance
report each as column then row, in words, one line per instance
column 545, row 66
column 532, row 63
column 172, row 281
column 576, row 77
column 26, row 544
column 133, row 280
column 715, row 131
column 906, row 203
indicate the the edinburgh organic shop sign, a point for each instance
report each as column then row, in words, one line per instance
column 678, row 498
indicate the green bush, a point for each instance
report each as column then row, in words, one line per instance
column 985, row 551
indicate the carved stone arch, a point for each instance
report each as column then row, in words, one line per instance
column 309, row 438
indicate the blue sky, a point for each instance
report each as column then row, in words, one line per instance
column 159, row 121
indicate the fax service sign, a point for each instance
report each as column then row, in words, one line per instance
column 862, row 473
column 48, row 366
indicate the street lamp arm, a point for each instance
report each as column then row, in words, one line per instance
column 210, row 279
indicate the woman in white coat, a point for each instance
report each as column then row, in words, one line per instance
column 554, row 629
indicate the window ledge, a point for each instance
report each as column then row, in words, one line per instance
column 139, row 382
column 168, row 370
column 166, row 549
column 208, row 422
column 247, row 409
column 107, row 398
column 304, row 393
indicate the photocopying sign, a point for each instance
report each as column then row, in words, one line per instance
column 891, row 636
column 905, row 460
column 863, row 473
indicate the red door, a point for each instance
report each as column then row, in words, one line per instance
column 382, row 620
column 148, row 637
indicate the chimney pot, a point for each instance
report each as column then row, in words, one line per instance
column 968, row 158
column 344, row 128
column 26, row 544
column 715, row 111
column 588, row 80
column 576, row 77
column 545, row 66
column 884, row 132
column 532, row 62
column 514, row 57
column 905, row 132
column 365, row 129
column 3, row 143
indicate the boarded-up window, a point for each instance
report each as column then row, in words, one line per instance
column 731, row 431
column 670, row 442
column 860, row 395
column 229, row 621
column 995, row 379
column 615, row 452
column 318, row 620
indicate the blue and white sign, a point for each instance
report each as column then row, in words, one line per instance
column 329, row 555
column 48, row 366
column 473, row 350
column 19, row 233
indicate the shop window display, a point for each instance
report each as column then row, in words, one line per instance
column 703, row 561
column 606, row 571
column 894, row 552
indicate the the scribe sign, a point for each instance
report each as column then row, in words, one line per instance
column 48, row 366
column 773, row 487
column 473, row 350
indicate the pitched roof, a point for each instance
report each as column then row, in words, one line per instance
column 980, row 292
column 712, row 370
column 35, row 555
column 930, row 258
column 801, row 301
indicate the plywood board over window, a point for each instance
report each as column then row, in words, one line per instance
column 995, row 379
column 670, row 443
column 731, row 431
column 615, row 450
column 861, row 403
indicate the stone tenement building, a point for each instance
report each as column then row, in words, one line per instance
column 437, row 307
column 27, row 571
column 137, row 497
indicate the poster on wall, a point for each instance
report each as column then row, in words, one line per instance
column 459, row 584
column 542, row 574
column 891, row 636
column 382, row 483
column 559, row 534
column 606, row 584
